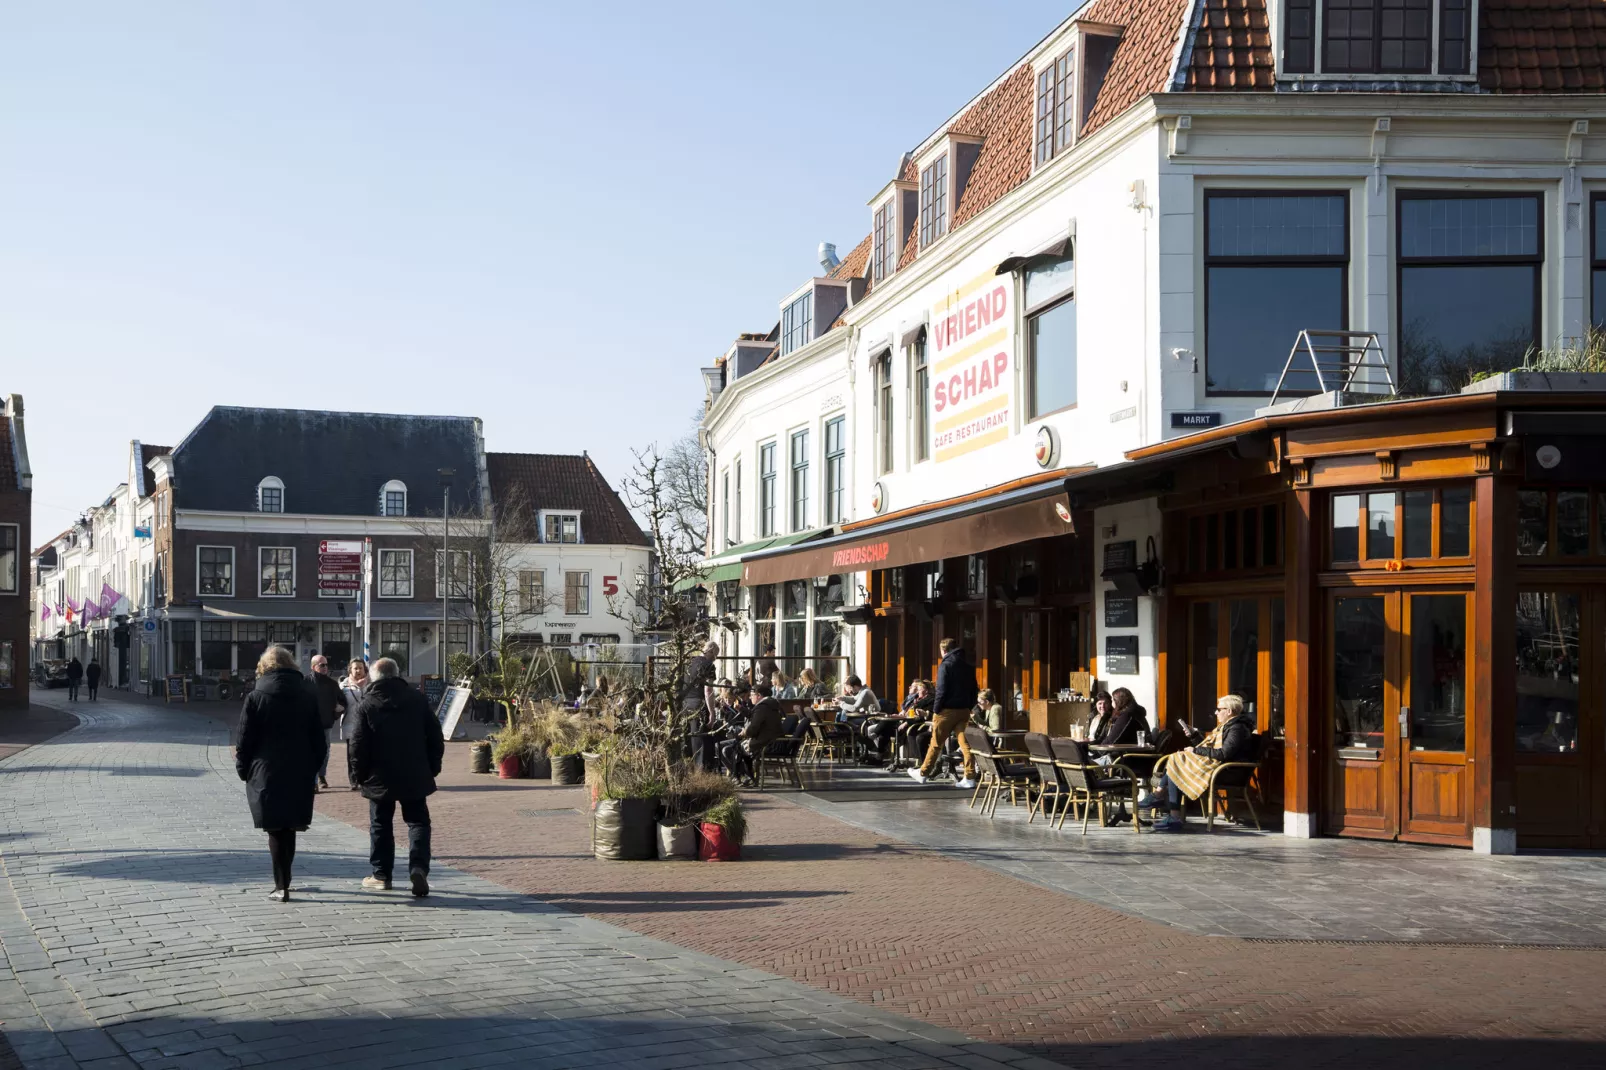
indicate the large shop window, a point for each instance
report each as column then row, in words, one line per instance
column 1051, row 335
column 1469, row 286
column 1235, row 647
column 1561, row 523
column 1421, row 524
column 8, row 663
column 251, row 640
column 217, row 647
column 1276, row 263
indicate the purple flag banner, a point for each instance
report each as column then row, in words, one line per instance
column 44, row 611
column 74, row 606
column 108, row 598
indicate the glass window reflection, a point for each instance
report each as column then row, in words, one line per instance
column 1346, row 527
column 1572, row 523
column 1533, row 523
column 1418, row 523
column 1547, row 671
column 1438, row 694
column 1380, row 526
column 1359, row 634
column 1455, row 522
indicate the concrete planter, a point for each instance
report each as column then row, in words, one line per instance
column 1540, row 382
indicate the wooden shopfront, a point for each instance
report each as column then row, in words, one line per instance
column 1007, row 571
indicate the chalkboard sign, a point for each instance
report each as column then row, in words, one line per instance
column 175, row 689
column 450, row 711
column 434, row 688
column 1120, row 655
column 1119, row 556
column 1120, row 612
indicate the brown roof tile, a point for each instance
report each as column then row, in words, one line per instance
column 1232, row 47
column 565, row 481
column 1142, row 61
column 1003, row 119
column 1542, row 46
column 854, row 264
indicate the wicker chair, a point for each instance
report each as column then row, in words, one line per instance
column 1092, row 784
column 1230, row 777
column 781, row 757
column 998, row 770
column 1053, row 789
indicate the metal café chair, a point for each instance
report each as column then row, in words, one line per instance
column 997, row 771
column 1230, row 777
column 1053, row 789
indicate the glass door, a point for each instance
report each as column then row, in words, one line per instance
column 1363, row 797
column 1435, row 790
column 1561, row 737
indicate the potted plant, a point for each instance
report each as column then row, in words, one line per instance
column 693, row 792
column 537, row 741
column 479, row 757
column 507, row 751
column 722, row 831
column 625, row 817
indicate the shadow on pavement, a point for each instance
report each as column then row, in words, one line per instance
column 1323, row 1052
column 603, row 903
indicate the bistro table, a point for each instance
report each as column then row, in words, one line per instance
column 1010, row 739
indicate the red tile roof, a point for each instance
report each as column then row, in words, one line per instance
column 1232, row 47
column 1142, row 61
column 1542, row 46
column 853, row 265
column 565, row 481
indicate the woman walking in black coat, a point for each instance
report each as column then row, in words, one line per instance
column 281, row 745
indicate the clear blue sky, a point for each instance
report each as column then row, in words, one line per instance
column 548, row 216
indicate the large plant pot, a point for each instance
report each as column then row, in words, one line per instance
column 714, row 844
column 538, row 767
column 568, row 769
column 625, row 830
column 479, row 758
column 677, row 843
column 508, row 768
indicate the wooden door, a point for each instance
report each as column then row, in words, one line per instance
column 1435, row 697
column 1561, row 730
column 1363, row 704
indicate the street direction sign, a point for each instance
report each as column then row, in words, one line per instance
column 337, row 583
column 340, row 546
column 339, row 562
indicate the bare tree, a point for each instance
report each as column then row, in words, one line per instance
column 683, row 475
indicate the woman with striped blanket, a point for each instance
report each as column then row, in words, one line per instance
column 1187, row 772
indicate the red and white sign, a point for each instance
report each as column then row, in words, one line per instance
column 338, row 583
column 339, row 562
column 972, row 339
column 340, row 546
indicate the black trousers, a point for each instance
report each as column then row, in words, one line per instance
column 381, row 838
column 737, row 761
column 94, row 690
column 72, row 691
column 282, row 849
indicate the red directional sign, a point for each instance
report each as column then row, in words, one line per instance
column 339, row 562
column 340, row 546
column 338, row 583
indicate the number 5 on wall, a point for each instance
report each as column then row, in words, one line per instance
column 610, row 585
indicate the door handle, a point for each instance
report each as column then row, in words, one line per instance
column 1405, row 722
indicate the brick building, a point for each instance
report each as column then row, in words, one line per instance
column 16, row 504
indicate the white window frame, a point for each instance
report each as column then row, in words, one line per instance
column 1278, row 28
column 769, row 490
column 393, row 487
column 270, row 483
column 380, row 588
column 725, row 508
column 736, row 478
column 546, row 515
column 584, row 587
column 833, row 489
column 13, row 585
column 539, row 600
column 797, row 479
column 263, row 594
column 458, row 592
column 234, row 571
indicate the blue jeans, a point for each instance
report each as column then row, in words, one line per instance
column 1173, row 794
column 382, row 843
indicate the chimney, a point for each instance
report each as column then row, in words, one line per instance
column 828, row 257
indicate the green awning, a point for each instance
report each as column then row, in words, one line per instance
column 727, row 565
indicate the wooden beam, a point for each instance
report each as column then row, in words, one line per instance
column 1302, row 611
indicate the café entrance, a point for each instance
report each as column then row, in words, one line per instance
column 1398, row 695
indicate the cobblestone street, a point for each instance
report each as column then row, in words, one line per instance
column 144, row 933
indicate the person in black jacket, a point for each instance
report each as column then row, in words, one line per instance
column 92, row 678
column 75, row 676
column 1186, row 773
column 765, row 726
column 279, row 744
column 396, row 751
column 1127, row 721
column 956, row 694
column 331, row 704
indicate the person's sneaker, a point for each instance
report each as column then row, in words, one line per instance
column 1149, row 801
column 376, row 884
column 420, row 883
column 280, row 895
column 917, row 776
column 1170, row 824
column 965, row 783
column 323, row 782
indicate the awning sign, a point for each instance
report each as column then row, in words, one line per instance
column 972, row 341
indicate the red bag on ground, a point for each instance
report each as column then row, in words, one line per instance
column 716, row 845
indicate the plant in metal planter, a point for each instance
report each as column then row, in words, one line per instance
column 691, row 794
column 723, row 829
column 625, row 817
column 537, row 735
column 479, row 757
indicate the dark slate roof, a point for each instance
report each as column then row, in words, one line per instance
column 566, row 481
column 8, row 459
column 332, row 463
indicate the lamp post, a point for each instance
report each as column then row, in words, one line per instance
column 446, row 475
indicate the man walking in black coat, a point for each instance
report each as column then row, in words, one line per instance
column 331, row 704
column 396, row 751
column 92, row 678
column 75, row 676
column 956, row 694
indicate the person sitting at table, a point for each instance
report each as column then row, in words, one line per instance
column 918, row 698
column 809, row 686
column 1187, row 772
column 1129, row 719
column 858, row 700
column 781, row 687
column 987, row 712
column 764, row 728
column 1103, row 714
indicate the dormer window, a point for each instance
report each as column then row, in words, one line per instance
column 797, row 323
column 934, row 200
column 393, row 499
column 884, row 254
column 270, row 495
column 1056, row 107
column 560, row 527
column 1377, row 37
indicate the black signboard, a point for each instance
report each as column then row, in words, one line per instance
column 1120, row 612
column 434, row 689
column 1120, row 556
column 1196, row 419
column 175, row 689
column 1120, row 655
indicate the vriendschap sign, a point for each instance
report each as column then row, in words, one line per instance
column 972, row 344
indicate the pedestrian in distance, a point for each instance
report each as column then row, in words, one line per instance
column 92, row 678
column 396, row 751
column 280, row 742
column 352, row 685
column 331, row 704
column 75, row 677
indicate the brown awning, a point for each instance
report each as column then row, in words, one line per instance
column 976, row 526
column 1055, row 250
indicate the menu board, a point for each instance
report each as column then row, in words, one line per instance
column 175, row 689
column 434, row 688
column 1120, row 611
column 1120, row 555
column 1120, row 655
column 450, row 711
